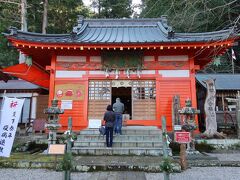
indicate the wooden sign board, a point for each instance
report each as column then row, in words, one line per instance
column 177, row 127
column 182, row 137
column 94, row 123
column 56, row 149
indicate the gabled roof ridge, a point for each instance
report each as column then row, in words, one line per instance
column 14, row 32
column 154, row 30
column 124, row 19
column 40, row 34
column 136, row 22
column 123, row 25
column 210, row 33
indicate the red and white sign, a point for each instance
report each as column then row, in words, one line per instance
column 11, row 111
column 182, row 137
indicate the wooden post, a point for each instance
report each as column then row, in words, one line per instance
column 223, row 104
column 67, row 173
column 55, row 162
column 183, row 156
column 69, row 143
column 165, row 145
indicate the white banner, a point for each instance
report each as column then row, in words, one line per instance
column 11, row 111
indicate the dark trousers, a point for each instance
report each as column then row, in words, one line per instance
column 118, row 123
column 109, row 136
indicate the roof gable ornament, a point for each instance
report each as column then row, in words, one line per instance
column 13, row 30
column 80, row 21
column 164, row 21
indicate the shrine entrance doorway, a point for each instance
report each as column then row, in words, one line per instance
column 138, row 96
column 125, row 94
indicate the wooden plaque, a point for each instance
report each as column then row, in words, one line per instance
column 56, row 149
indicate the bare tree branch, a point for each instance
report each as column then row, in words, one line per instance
column 10, row 2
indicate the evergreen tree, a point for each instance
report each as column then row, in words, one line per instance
column 194, row 15
column 8, row 17
column 199, row 16
column 62, row 15
column 112, row 8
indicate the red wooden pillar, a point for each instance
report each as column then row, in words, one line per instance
column 52, row 78
column 158, row 113
column 193, row 87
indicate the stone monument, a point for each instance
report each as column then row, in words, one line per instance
column 210, row 114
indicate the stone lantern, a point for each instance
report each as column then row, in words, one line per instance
column 188, row 114
column 52, row 124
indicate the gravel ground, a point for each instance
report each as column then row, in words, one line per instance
column 202, row 173
column 196, row 173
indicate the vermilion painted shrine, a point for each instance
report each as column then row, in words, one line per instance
column 142, row 61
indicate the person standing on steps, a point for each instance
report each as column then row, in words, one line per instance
column 118, row 108
column 109, row 118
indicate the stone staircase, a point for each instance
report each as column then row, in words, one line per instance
column 133, row 141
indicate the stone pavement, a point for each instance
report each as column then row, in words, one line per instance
column 226, row 156
column 151, row 164
column 216, row 160
column 124, row 175
column 196, row 173
column 132, row 163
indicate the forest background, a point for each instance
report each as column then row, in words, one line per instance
column 59, row 16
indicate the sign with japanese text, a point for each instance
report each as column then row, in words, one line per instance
column 11, row 111
column 70, row 91
column 182, row 137
column 66, row 104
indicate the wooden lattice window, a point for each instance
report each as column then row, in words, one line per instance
column 144, row 100
column 144, row 90
column 99, row 90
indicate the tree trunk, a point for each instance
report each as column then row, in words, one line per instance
column 24, row 15
column 22, row 57
column 45, row 14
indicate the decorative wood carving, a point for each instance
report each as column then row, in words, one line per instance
column 79, row 66
column 153, row 65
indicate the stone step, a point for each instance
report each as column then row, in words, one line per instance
column 139, row 140
column 118, row 143
column 121, row 164
column 156, row 151
column 125, row 131
column 95, row 137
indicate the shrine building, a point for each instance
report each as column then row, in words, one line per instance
column 141, row 61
